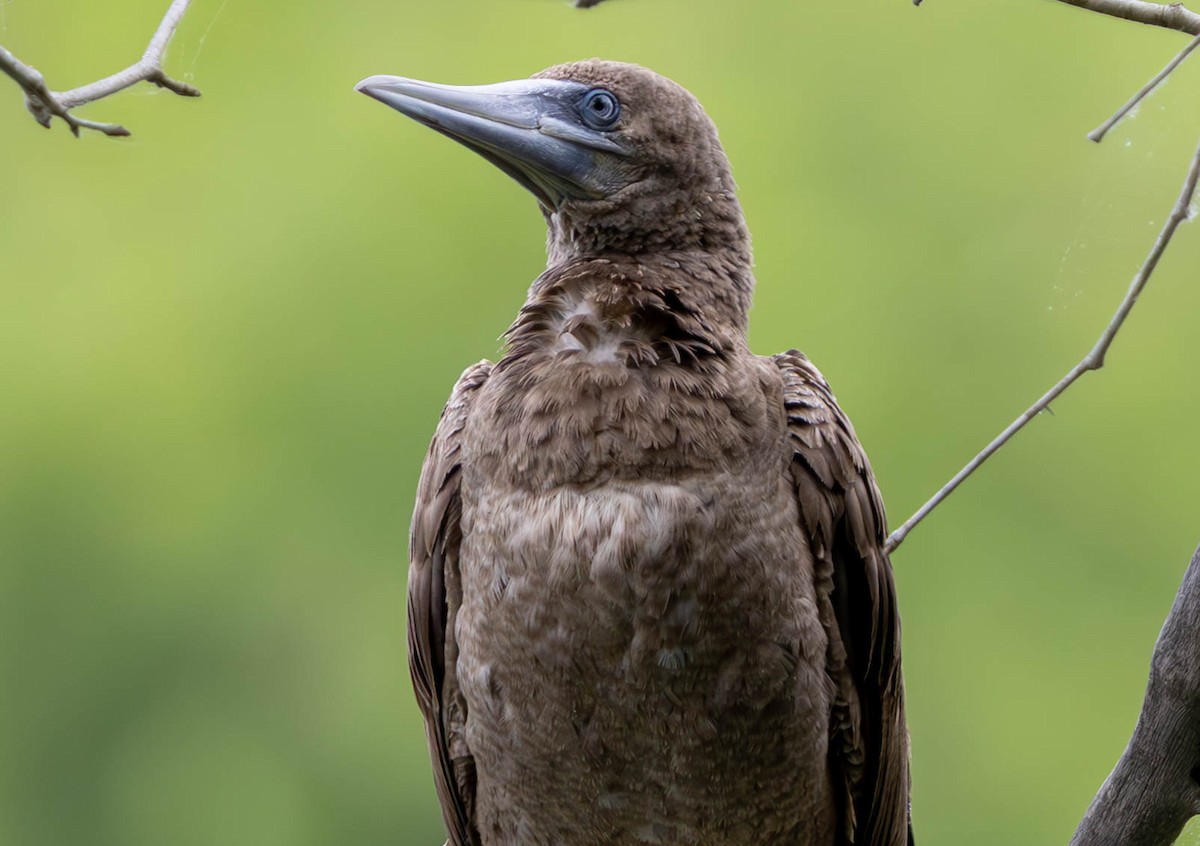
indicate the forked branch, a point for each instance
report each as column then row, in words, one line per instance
column 45, row 104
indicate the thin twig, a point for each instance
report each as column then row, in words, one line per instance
column 1169, row 15
column 45, row 104
column 1094, row 360
column 1099, row 132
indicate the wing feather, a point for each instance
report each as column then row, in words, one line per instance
column 433, row 601
column 843, row 517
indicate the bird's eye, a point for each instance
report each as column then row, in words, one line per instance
column 600, row 109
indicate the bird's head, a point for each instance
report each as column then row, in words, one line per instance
column 619, row 158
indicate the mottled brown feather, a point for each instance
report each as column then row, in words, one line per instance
column 844, row 519
column 433, row 561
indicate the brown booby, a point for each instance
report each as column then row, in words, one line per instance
column 649, row 601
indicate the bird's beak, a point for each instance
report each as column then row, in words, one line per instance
column 531, row 129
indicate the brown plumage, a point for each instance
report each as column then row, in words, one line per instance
column 649, row 601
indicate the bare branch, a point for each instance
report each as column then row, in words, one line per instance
column 45, row 104
column 1099, row 132
column 1169, row 15
column 1094, row 360
column 1153, row 790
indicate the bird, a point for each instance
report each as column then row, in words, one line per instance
column 649, row 597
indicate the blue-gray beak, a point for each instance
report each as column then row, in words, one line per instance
column 531, row 129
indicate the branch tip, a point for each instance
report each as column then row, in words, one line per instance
column 1099, row 132
column 174, row 85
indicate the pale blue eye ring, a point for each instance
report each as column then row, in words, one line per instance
column 600, row 109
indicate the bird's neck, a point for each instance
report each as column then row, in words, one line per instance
column 706, row 221
column 668, row 308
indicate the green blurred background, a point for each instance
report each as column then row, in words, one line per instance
column 226, row 341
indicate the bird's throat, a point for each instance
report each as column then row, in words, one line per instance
column 660, row 310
